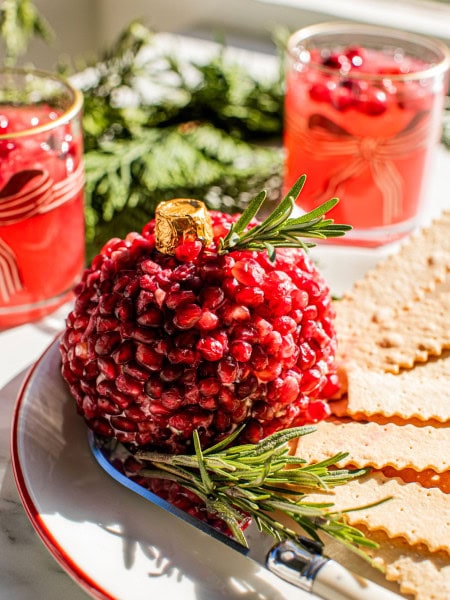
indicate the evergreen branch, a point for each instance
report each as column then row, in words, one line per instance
column 20, row 22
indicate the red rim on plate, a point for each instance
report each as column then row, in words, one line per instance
column 55, row 549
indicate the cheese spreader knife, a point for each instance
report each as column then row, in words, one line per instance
column 301, row 564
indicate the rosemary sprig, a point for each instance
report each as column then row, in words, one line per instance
column 263, row 481
column 278, row 230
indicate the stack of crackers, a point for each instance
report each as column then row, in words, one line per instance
column 393, row 415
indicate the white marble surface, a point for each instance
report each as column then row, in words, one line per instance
column 27, row 570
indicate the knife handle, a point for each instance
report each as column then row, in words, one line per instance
column 335, row 582
column 322, row 576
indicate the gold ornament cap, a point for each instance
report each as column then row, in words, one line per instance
column 179, row 220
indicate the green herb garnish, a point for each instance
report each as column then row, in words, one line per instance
column 280, row 231
column 263, row 481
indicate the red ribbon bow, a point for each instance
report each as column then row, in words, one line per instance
column 324, row 139
column 26, row 194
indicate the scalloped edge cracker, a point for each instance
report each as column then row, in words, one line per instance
column 421, row 263
column 410, row 335
column 422, row 392
column 375, row 445
column 424, row 575
column 415, row 513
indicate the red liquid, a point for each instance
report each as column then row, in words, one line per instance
column 367, row 141
column 41, row 214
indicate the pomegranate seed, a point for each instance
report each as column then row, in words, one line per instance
column 248, row 272
column 280, row 306
column 188, row 250
column 148, row 357
column 263, row 327
column 106, row 343
column 253, row 433
column 191, row 394
column 209, row 387
column 332, row 386
column 307, row 357
column 285, row 324
column 175, row 299
column 108, row 406
column 170, row 373
column 290, row 389
column 208, row 403
column 128, row 385
column 123, row 424
column 250, row 296
column 210, row 348
column 271, row 371
column 235, row 312
column 230, row 286
column 300, row 299
column 171, row 399
column 154, row 387
column 135, row 371
column 152, row 317
column 148, row 282
column 311, row 380
column 227, row 370
column 124, row 353
column 108, row 303
column 102, row 427
column 227, row 400
column 212, row 297
column 259, row 358
column 241, row 350
column 108, row 367
column 222, row 422
column 208, row 321
column 288, row 347
column 187, row 315
column 182, row 356
column 272, row 342
column 318, row 410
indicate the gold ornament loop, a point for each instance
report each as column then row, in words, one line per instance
column 179, row 220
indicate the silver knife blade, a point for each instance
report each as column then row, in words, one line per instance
column 300, row 564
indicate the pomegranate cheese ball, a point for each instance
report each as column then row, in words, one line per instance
column 158, row 344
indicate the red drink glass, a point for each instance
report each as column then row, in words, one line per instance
column 42, row 240
column 363, row 115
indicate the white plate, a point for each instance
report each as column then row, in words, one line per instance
column 114, row 543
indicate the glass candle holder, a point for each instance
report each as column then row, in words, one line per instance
column 363, row 116
column 42, row 235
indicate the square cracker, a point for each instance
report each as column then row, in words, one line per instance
column 419, row 573
column 409, row 335
column 422, row 263
column 422, row 392
column 376, row 445
column 415, row 513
